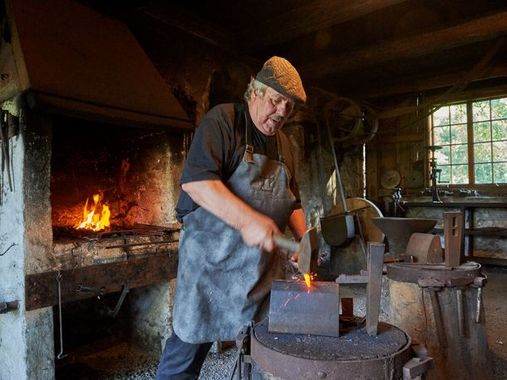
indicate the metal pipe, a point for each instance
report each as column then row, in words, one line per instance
column 5, row 307
column 461, row 316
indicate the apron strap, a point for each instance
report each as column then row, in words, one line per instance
column 279, row 148
column 249, row 150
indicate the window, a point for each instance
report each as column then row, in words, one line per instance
column 472, row 141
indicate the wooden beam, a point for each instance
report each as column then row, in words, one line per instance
column 406, row 108
column 451, row 93
column 314, row 16
column 171, row 15
column 41, row 289
column 401, row 139
column 481, row 29
column 430, row 82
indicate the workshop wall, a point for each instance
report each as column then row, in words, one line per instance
column 396, row 158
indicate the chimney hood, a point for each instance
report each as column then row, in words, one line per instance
column 67, row 58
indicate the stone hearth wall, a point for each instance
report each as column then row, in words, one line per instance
column 26, row 347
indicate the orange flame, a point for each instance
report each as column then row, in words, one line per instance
column 97, row 217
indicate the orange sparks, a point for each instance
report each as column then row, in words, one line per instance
column 308, row 279
column 95, row 218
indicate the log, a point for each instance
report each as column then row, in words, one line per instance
column 426, row 248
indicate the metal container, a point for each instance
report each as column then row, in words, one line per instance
column 353, row 355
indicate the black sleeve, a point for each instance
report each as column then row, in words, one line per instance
column 210, row 149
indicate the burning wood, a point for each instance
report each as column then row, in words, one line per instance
column 95, row 218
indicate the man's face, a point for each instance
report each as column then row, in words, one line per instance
column 270, row 111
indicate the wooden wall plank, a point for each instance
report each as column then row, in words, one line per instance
column 42, row 288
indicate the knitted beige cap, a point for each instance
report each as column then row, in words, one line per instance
column 280, row 75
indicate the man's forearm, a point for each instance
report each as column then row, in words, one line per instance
column 297, row 223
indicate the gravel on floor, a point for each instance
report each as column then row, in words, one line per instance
column 137, row 366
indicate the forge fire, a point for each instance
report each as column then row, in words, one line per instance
column 95, row 216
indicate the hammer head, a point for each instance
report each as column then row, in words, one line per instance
column 308, row 251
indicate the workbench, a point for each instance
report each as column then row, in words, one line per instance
column 470, row 207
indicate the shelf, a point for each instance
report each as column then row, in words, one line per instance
column 489, row 261
column 462, row 204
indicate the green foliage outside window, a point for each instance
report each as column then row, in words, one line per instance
column 474, row 144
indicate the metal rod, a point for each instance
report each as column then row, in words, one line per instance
column 123, row 294
column 361, row 238
column 339, row 185
column 461, row 316
column 139, row 244
column 375, row 264
column 479, row 302
column 60, row 355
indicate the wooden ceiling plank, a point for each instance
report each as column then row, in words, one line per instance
column 176, row 17
column 310, row 18
column 430, row 82
column 481, row 29
column 405, row 109
column 450, row 94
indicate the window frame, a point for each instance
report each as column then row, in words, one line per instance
column 490, row 187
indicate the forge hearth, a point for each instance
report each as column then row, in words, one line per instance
column 88, row 113
column 130, row 168
column 58, row 162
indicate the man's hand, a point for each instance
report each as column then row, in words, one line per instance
column 259, row 231
column 256, row 229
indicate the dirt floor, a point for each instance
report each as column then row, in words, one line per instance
column 495, row 304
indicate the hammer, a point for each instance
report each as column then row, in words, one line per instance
column 306, row 250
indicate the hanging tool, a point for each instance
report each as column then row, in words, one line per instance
column 60, row 355
column 337, row 228
column 433, row 287
column 4, row 154
column 124, row 291
column 479, row 283
column 460, row 311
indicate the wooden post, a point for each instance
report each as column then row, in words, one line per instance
column 453, row 235
column 375, row 264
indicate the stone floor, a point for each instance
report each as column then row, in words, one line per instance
column 125, row 362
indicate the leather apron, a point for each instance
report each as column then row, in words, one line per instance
column 222, row 283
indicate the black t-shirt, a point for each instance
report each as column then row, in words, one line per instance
column 218, row 147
